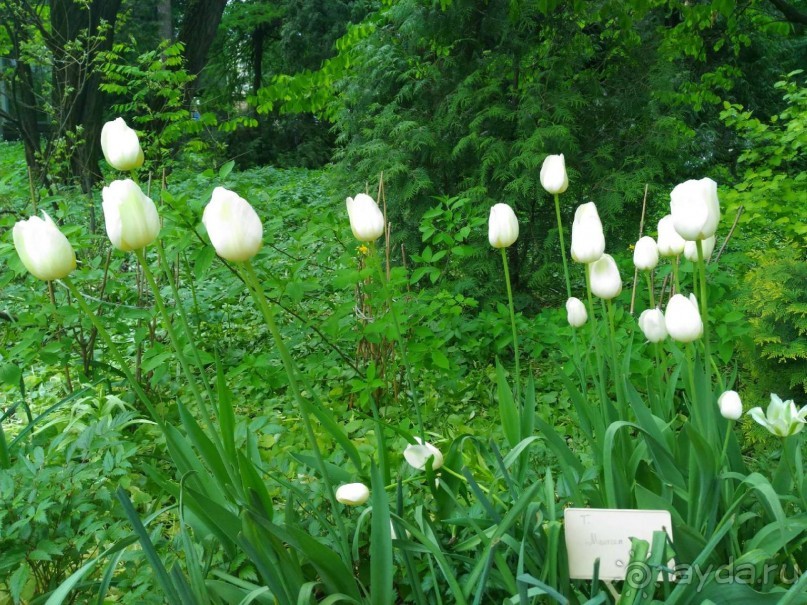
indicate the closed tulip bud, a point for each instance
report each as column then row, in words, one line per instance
column 652, row 324
column 588, row 240
column 781, row 418
column 645, row 254
column 366, row 219
column 691, row 249
column 130, row 216
column 43, row 249
column 683, row 319
column 731, row 408
column 233, row 225
column 576, row 312
column 669, row 242
column 502, row 226
column 605, row 280
column 353, row 494
column 553, row 174
column 695, row 209
column 419, row 453
column 121, row 146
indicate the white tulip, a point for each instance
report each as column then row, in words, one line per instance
column 731, row 408
column 669, row 242
column 353, row 494
column 130, row 216
column 43, row 249
column 645, row 254
column 588, row 240
column 366, row 218
column 605, row 280
column 695, row 209
column 691, row 249
column 652, row 324
column 781, row 418
column 683, row 319
column 233, row 226
column 576, row 312
column 502, row 226
column 553, row 174
column 121, row 146
column 419, row 453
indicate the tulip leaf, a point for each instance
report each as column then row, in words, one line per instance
column 508, row 412
column 381, row 563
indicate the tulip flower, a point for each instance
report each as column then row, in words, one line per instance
column 669, row 242
column 576, row 312
column 695, row 209
column 781, row 418
column 553, row 174
column 652, row 324
column 605, row 280
column 121, row 146
column 683, row 319
column 731, row 408
column 352, row 494
column 130, row 216
column 691, row 249
column 645, row 254
column 43, row 249
column 502, row 226
column 366, row 219
column 233, row 226
column 418, row 454
column 588, row 240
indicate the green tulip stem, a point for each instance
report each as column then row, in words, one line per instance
column 113, row 349
column 724, row 450
column 649, row 277
column 400, row 338
column 596, row 338
column 258, row 294
column 676, row 281
column 704, row 310
column 512, row 325
column 563, row 249
column 183, row 317
column 618, row 383
column 5, row 459
column 175, row 341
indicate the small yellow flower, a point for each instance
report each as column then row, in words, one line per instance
column 364, row 250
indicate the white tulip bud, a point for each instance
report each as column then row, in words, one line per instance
column 131, row 218
column 121, row 146
column 502, row 226
column 418, row 454
column 588, row 240
column 781, row 418
column 683, row 319
column 233, row 226
column 366, row 218
column 43, row 249
column 353, row 494
column 553, row 174
column 669, row 242
column 691, row 249
column 695, row 209
column 605, row 280
column 652, row 324
column 645, row 254
column 731, row 408
column 576, row 312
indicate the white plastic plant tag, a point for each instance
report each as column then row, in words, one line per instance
column 605, row 533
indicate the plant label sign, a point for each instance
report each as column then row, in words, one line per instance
column 605, row 534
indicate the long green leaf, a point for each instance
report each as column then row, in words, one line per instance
column 381, row 565
column 508, row 410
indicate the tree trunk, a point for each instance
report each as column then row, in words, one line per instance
column 199, row 25
column 164, row 19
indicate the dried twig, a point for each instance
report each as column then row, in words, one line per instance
column 636, row 271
